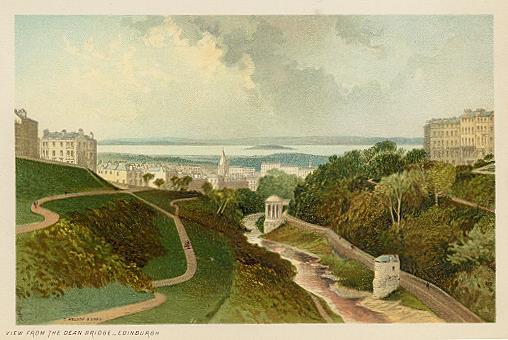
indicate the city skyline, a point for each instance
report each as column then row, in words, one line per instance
column 251, row 76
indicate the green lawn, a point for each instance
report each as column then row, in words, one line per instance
column 263, row 289
column 406, row 299
column 76, row 301
column 173, row 263
column 196, row 300
column 35, row 180
column 163, row 198
column 36, row 310
column 350, row 273
column 81, row 204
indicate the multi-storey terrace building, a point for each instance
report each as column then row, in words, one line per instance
column 26, row 132
column 460, row 140
column 69, row 147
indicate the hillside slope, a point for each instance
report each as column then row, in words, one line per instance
column 36, row 179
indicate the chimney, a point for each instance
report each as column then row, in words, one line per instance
column 91, row 134
column 80, row 131
column 45, row 132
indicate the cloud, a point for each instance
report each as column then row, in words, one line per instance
column 359, row 30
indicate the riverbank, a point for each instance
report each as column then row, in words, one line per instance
column 344, row 284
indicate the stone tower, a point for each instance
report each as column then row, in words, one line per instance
column 223, row 168
column 386, row 275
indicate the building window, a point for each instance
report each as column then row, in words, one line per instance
column 54, row 153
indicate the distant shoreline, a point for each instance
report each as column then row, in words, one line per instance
column 269, row 141
column 269, row 147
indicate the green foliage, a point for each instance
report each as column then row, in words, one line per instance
column 68, row 255
column 415, row 156
column 196, row 300
column 440, row 178
column 422, row 244
column 133, row 235
column 406, row 299
column 350, row 273
column 263, row 280
column 148, row 177
column 249, row 202
column 260, row 224
column 181, row 183
column 35, row 180
column 440, row 243
column 278, row 183
column 480, row 189
column 400, row 190
column 163, row 198
column 159, row 182
column 312, row 197
column 488, row 159
column 476, row 288
column 207, row 188
column 82, row 204
column 478, row 246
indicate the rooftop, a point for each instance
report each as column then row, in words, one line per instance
column 387, row 258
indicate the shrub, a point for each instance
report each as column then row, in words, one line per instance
column 69, row 255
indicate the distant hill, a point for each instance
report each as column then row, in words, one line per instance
column 312, row 140
column 295, row 159
column 269, row 147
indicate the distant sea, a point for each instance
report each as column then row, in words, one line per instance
column 232, row 150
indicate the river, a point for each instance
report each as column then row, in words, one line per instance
column 352, row 305
column 232, row 150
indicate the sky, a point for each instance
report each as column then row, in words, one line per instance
column 251, row 76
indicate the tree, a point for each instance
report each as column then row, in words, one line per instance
column 440, row 178
column 248, row 201
column 400, row 189
column 478, row 246
column 384, row 164
column 159, row 182
column 175, row 182
column 415, row 156
column 185, row 182
column 278, row 183
column 147, row 178
column 207, row 188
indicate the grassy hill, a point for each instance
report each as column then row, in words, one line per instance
column 35, row 180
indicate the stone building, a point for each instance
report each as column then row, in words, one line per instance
column 26, row 135
column 460, row 140
column 274, row 207
column 386, row 275
column 223, row 167
column 122, row 174
column 69, row 147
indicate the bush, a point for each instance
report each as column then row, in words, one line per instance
column 129, row 227
column 260, row 223
column 69, row 255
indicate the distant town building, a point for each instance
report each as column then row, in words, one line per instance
column 121, row 173
column 26, row 134
column 240, row 172
column 223, row 168
column 460, row 140
column 233, row 177
column 288, row 169
column 69, row 147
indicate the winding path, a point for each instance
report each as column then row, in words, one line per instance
column 51, row 217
